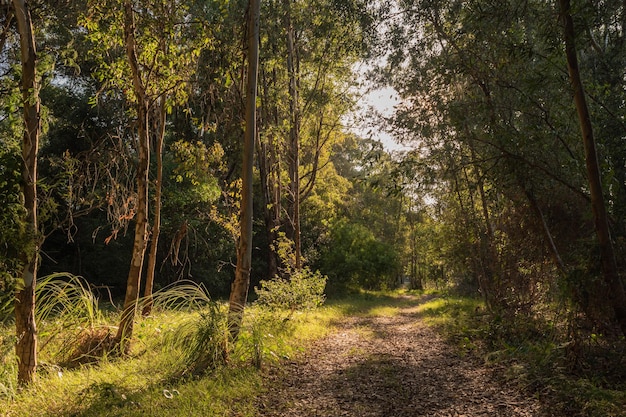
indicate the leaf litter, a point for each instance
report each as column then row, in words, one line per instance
column 390, row 366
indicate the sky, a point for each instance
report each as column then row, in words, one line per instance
column 382, row 101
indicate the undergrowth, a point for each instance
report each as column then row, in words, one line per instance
column 181, row 362
column 585, row 377
column 177, row 365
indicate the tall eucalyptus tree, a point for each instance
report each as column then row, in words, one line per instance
column 26, row 345
column 148, row 51
column 607, row 254
column 306, row 66
column 240, row 287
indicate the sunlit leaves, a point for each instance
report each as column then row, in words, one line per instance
column 170, row 40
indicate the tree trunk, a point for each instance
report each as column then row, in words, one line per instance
column 25, row 326
column 554, row 252
column 416, row 280
column 267, row 168
column 267, row 186
column 239, row 289
column 294, row 139
column 156, row 222
column 141, row 217
column 609, row 264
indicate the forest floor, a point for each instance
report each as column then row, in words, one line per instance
column 391, row 365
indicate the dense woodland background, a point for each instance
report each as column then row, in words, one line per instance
column 493, row 194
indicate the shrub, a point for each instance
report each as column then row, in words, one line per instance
column 303, row 290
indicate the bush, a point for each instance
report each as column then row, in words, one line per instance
column 296, row 288
column 304, row 290
column 354, row 257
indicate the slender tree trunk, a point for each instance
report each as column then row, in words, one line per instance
column 489, row 254
column 156, row 222
column 294, row 138
column 239, row 289
column 141, row 217
column 477, row 262
column 609, row 264
column 268, row 186
column 554, row 252
column 265, row 152
column 25, row 326
column 416, row 279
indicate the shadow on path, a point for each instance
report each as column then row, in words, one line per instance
column 390, row 366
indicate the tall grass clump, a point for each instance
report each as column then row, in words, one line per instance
column 71, row 325
column 178, row 311
column 202, row 340
column 182, row 295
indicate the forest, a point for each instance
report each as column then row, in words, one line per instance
column 201, row 176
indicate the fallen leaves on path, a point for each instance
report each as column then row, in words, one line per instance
column 392, row 366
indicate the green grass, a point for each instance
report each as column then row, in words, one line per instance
column 152, row 380
column 156, row 379
column 372, row 303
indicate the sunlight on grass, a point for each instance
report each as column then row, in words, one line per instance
column 355, row 352
column 372, row 303
column 145, row 382
column 155, row 378
column 384, row 311
column 364, row 332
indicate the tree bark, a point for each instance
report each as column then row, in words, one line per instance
column 488, row 252
column 160, row 113
column 267, row 186
column 294, row 138
column 267, row 173
column 609, row 265
column 141, row 217
column 25, row 326
column 239, row 289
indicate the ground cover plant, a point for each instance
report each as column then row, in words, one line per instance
column 177, row 365
column 180, row 362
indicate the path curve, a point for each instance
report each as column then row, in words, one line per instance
column 389, row 367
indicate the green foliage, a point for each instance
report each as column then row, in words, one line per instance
column 203, row 341
column 13, row 236
column 296, row 289
column 194, row 167
column 354, row 257
column 167, row 48
column 302, row 290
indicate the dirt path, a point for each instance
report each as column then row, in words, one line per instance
column 389, row 367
